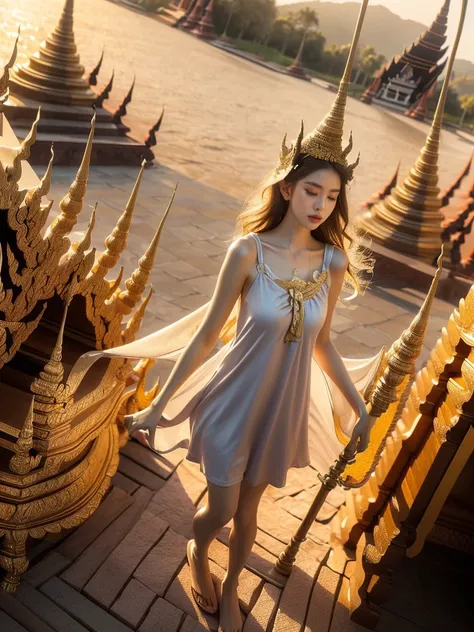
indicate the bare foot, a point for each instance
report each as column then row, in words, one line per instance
column 201, row 580
column 142, row 437
column 230, row 619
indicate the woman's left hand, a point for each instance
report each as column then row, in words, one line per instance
column 361, row 434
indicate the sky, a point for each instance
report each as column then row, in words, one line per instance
column 424, row 11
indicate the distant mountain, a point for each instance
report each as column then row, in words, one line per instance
column 386, row 31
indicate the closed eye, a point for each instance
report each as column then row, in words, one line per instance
column 333, row 199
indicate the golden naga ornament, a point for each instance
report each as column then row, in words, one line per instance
column 61, row 425
column 299, row 292
column 325, row 141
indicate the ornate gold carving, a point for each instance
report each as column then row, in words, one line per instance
column 4, row 79
column 21, row 462
column 299, row 292
column 13, row 558
column 66, row 451
column 46, row 387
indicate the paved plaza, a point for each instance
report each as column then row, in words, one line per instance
column 125, row 568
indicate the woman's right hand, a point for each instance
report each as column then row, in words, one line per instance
column 142, row 425
column 145, row 418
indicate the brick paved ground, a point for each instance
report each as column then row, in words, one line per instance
column 125, row 568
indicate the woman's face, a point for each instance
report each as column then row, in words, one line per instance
column 313, row 198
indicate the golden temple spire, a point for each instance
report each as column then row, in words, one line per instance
column 135, row 285
column 404, row 352
column 21, row 462
column 326, row 140
column 71, row 204
column 66, row 21
column 54, row 73
column 409, row 219
column 23, row 152
column 44, row 185
column 4, row 79
column 46, row 385
column 116, row 242
column 135, row 322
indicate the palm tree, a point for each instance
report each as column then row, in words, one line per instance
column 307, row 19
column 286, row 26
column 467, row 104
column 232, row 8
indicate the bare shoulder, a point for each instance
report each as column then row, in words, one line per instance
column 339, row 260
column 243, row 249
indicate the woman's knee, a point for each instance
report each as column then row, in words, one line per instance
column 222, row 504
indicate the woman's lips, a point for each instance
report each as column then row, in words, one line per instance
column 315, row 218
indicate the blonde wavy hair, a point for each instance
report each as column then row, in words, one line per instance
column 266, row 208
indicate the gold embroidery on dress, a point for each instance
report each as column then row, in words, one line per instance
column 300, row 291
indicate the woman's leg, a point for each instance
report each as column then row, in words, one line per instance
column 222, row 503
column 242, row 538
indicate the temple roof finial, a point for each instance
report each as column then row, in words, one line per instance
column 127, row 299
column 117, row 240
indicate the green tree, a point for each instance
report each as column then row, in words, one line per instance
column 335, row 58
column 370, row 62
column 282, row 31
column 467, row 104
column 307, row 20
column 464, row 85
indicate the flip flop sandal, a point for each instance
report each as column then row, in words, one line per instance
column 147, row 443
column 203, row 603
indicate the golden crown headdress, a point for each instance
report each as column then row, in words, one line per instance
column 325, row 141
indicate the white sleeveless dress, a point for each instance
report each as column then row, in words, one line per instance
column 260, row 405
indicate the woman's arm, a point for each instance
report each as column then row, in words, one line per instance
column 330, row 361
column 234, row 271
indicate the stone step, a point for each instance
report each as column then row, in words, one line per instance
column 52, row 564
column 263, row 613
column 22, row 615
column 322, row 601
column 133, row 604
column 296, row 595
column 80, row 572
column 126, row 484
column 47, row 610
column 68, row 127
column 190, row 625
column 123, row 141
column 139, row 474
column 162, row 563
column 28, row 109
column 161, row 465
column 109, row 580
column 7, row 623
column 114, row 504
column 69, row 150
column 81, row 608
column 163, row 617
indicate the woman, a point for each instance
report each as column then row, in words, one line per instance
column 278, row 394
column 250, row 422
